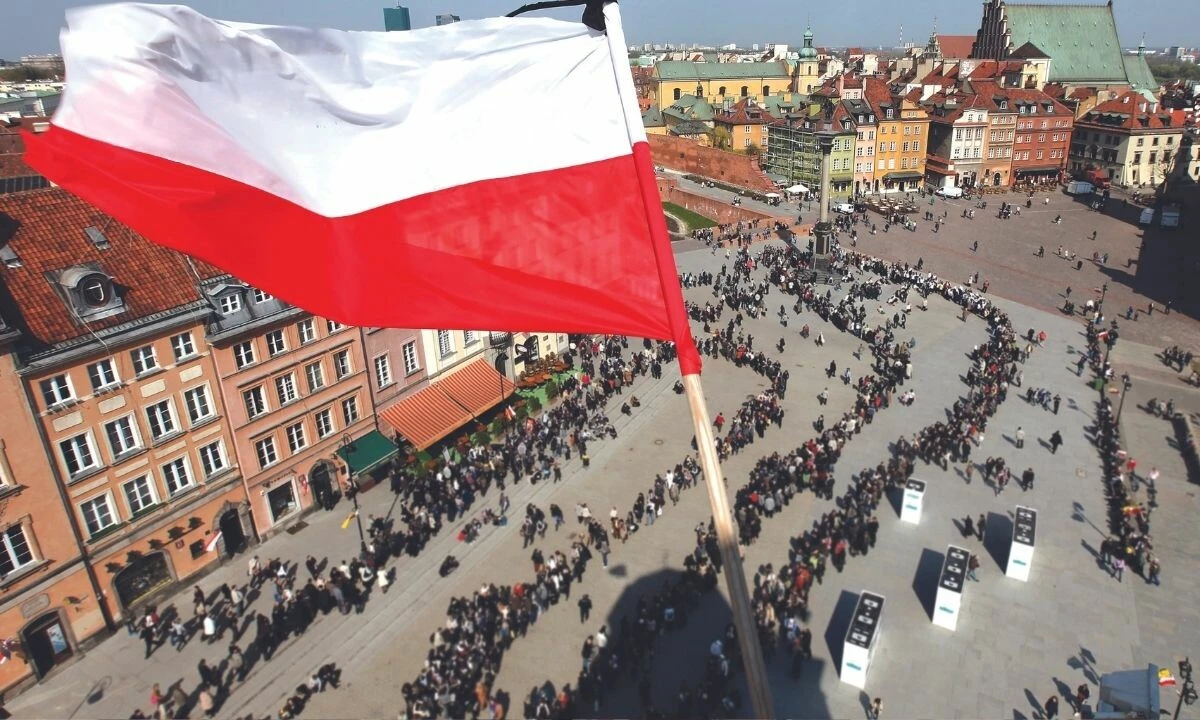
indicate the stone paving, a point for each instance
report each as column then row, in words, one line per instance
column 1070, row 621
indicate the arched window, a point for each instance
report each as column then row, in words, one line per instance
column 721, row 91
column 678, row 92
column 745, row 91
column 766, row 90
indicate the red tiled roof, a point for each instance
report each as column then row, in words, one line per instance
column 1133, row 113
column 45, row 228
column 739, row 114
column 956, row 46
column 12, row 148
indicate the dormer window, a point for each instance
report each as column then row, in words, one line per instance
column 90, row 292
column 229, row 303
column 95, row 290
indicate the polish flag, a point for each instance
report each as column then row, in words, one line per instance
column 485, row 174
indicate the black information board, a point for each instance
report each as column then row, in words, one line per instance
column 865, row 625
column 954, row 569
column 917, row 485
column 1025, row 525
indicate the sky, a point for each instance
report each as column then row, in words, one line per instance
column 31, row 26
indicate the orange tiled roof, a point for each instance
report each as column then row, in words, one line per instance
column 45, row 228
column 956, row 46
column 12, row 148
column 739, row 114
column 1131, row 111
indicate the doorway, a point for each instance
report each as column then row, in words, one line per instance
column 320, row 480
column 232, row 533
column 47, row 643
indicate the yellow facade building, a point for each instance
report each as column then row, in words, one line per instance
column 716, row 82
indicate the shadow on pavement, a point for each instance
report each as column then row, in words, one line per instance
column 997, row 538
column 925, row 579
column 839, row 623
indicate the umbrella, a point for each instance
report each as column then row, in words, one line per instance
column 797, row 189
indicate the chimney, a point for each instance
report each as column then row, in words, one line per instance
column 841, row 84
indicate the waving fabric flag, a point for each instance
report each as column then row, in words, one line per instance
column 487, row 174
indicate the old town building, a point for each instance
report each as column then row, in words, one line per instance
column 113, row 360
column 296, row 390
column 957, row 125
column 1043, row 136
column 716, row 81
column 794, row 152
column 1131, row 139
column 903, row 131
column 742, row 125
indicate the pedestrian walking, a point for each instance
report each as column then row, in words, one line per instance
column 585, row 608
column 972, row 566
column 1052, row 707
column 1056, row 440
column 1082, row 693
column 876, row 708
column 981, row 525
column 1020, row 437
column 1153, row 568
column 969, row 471
column 1057, row 401
column 1118, row 566
column 968, row 527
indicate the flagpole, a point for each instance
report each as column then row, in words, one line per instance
column 689, row 362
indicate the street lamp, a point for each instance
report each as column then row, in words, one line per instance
column 1187, row 693
column 346, row 444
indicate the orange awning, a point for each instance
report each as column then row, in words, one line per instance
column 435, row 411
column 477, row 386
column 426, row 416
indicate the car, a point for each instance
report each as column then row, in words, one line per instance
column 844, row 208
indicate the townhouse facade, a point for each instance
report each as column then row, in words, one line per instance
column 903, row 133
column 295, row 387
column 124, row 398
column 794, row 151
column 743, row 125
column 1000, row 136
column 1131, row 138
column 958, row 124
column 1043, row 136
column 865, row 126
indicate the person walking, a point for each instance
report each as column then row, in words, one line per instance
column 1056, row 440
column 1082, row 693
column 981, row 526
column 1052, row 707
column 585, row 608
column 1020, row 437
column 972, row 566
column 876, row 708
column 968, row 527
column 1057, row 402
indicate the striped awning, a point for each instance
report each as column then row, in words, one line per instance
column 433, row 412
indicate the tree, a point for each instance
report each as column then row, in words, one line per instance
column 22, row 73
column 721, row 138
column 753, row 150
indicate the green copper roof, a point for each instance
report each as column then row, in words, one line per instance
column 681, row 70
column 690, row 107
column 1139, row 73
column 1081, row 40
column 652, row 118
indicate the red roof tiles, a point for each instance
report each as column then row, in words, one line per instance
column 956, row 46
column 12, row 148
column 744, row 112
column 1132, row 111
column 45, row 228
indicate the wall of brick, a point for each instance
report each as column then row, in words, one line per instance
column 685, row 155
column 722, row 212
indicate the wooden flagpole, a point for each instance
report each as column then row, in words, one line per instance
column 731, row 560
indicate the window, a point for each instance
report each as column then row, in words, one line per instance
column 315, row 375
column 903, row 163
column 445, row 343
column 383, row 371
column 98, row 514
column 122, row 436
column 230, row 303
column 746, row 143
column 1041, row 137
column 79, row 454
column 1137, row 158
column 177, row 475
column 182, row 346
column 333, row 326
column 256, row 402
column 745, row 91
column 678, row 93
column 16, row 553
column 212, row 458
column 139, row 494
column 243, row 354
column 261, row 297
column 1154, row 141
column 350, row 410
column 103, row 374
column 57, row 390
column 1153, row 157
column 161, row 419
column 1141, row 141
column 276, row 343
column 410, row 358
column 891, row 164
column 308, row 331
column 1040, row 154
column 892, row 146
column 720, row 91
column 265, row 449
column 766, row 90
column 324, row 423
column 889, row 113
column 341, row 364
column 916, row 146
column 198, row 406
column 905, row 147
column 285, row 387
column 295, row 438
